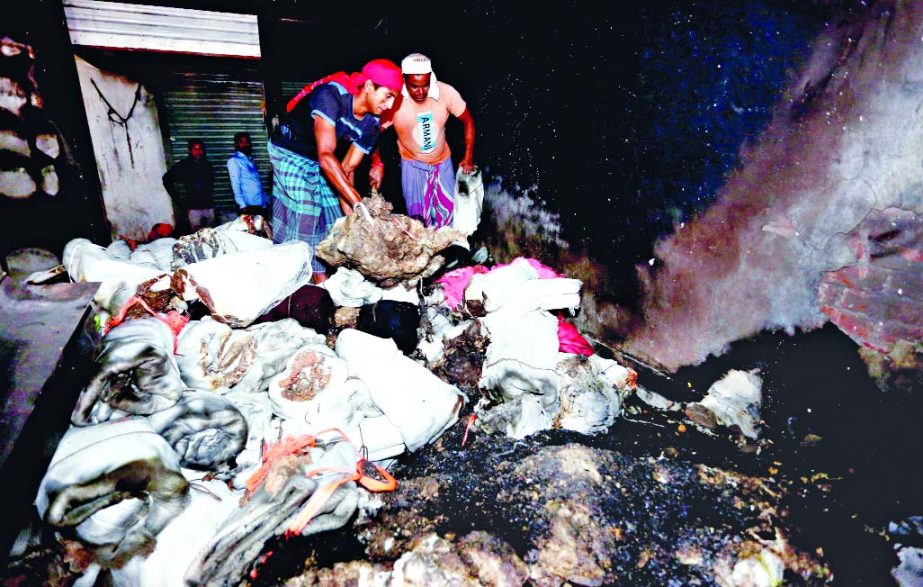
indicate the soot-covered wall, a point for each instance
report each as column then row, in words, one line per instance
column 821, row 219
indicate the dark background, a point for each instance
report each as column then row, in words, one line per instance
column 623, row 119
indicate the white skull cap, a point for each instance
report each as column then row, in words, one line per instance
column 416, row 64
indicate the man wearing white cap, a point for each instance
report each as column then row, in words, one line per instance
column 427, row 174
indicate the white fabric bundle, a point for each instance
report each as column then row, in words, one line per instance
column 591, row 392
column 497, row 287
column 119, row 279
column 469, row 201
column 348, row 288
column 539, row 385
column 272, row 509
column 517, row 287
column 211, row 355
column 206, row 430
column 248, row 223
column 257, row 411
column 735, row 399
column 119, row 249
column 401, row 293
column 137, row 374
column 420, row 404
column 177, row 545
column 238, row 288
column 522, row 355
column 158, row 253
column 517, row 418
column 380, row 438
column 275, row 343
column 85, row 487
column 309, row 372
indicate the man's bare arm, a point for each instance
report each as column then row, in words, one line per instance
column 467, row 163
column 325, row 135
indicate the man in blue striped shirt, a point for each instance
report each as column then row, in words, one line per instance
column 245, row 178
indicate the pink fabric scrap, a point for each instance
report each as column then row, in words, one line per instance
column 456, row 281
column 570, row 340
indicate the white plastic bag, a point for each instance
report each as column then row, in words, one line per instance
column 469, row 201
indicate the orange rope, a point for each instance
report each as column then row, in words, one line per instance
column 289, row 445
column 370, row 475
column 471, row 420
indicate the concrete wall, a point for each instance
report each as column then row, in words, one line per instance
column 130, row 163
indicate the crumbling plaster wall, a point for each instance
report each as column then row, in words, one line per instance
column 847, row 141
column 131, row 164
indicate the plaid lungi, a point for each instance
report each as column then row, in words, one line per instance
column 304, row 206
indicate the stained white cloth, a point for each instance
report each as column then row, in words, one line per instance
column 119, row 279
column 257, row 411
column 378, row 436
column 469, row 201
column 137, row 374
column 591, row 392
column 275, row 343
column 117, row 483
column 348, row 288
column 239, row 287
column 401, row 293
column 537, row 386
column 522, row 355
column 212, row 355
column 517, row 288
column 208, row 243
column 158, row 253
column 206, row 430
column 735, row 399
column 308, row 373
column 211, row 502
column 270, row 511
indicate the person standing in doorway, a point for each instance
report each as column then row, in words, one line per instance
column 245, row 178
column 312, row 176
column 190, row 184
column 419, row 117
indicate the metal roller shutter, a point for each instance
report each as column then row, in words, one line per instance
column 290, row 88
column 212, row 107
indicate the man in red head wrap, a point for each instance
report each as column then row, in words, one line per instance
column 312, row 184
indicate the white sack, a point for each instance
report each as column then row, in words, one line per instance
column 469, row 201
column 209, row 243
column 257, row 411
column 211, row 355
column 401, row 293
column 381, row 439
column 83, row 487
column 137, row 374
column 522, row 355
column 496, row 288
column 119, row 279
column 420, row 404
column 310, row 371
column 275, row 343
column 178, row 544
column 238, row 288
column 735, row 399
